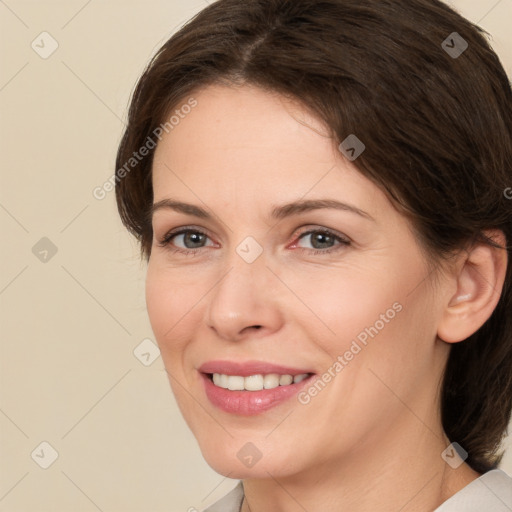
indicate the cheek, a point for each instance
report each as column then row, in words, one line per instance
column 372, row 311
column 341, row 303
column 172, row 301
column 385, row 336
column 172, row 305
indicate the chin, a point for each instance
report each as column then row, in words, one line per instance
column 242, row 459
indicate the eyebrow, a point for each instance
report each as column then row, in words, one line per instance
column 277, row 213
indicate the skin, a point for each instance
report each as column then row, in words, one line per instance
column 372, row 438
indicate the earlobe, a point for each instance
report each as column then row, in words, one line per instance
column 479, row 283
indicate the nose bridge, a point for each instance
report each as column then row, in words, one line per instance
column 246, row 266
column 242, row 296
column 238, row 288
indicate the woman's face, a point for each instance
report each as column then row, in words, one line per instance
column 271, row 280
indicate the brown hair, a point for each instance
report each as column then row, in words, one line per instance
column 437, row 127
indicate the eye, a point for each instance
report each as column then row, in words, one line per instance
column 185, row 240
column 189, row 241
column 321, row 241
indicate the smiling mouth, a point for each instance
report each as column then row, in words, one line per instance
column 251, row 393
column 257, row 382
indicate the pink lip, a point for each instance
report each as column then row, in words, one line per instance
column 249, row 403
column 249, row 368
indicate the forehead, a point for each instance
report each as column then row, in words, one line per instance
column 239, row 144
column 242, row 118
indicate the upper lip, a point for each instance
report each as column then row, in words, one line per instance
column 247, row 368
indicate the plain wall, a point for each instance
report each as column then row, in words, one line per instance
column 70, row 321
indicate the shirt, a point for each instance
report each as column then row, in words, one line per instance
column 492, row 492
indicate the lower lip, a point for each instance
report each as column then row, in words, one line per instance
column 249, row 403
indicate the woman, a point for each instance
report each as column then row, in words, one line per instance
column 320, row 191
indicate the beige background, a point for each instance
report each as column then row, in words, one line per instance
column 70, row 323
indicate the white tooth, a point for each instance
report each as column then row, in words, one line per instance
column 223, row 381
column 235, row 383
column 253, row 383
column 271, row 381
column 285, row 380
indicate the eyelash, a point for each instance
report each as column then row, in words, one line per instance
column 166, row 241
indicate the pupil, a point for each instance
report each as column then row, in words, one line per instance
column 323, row 239
column 194, row 238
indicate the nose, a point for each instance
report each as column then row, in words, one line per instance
column 245, row 301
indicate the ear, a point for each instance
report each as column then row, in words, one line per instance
column 479, row 282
